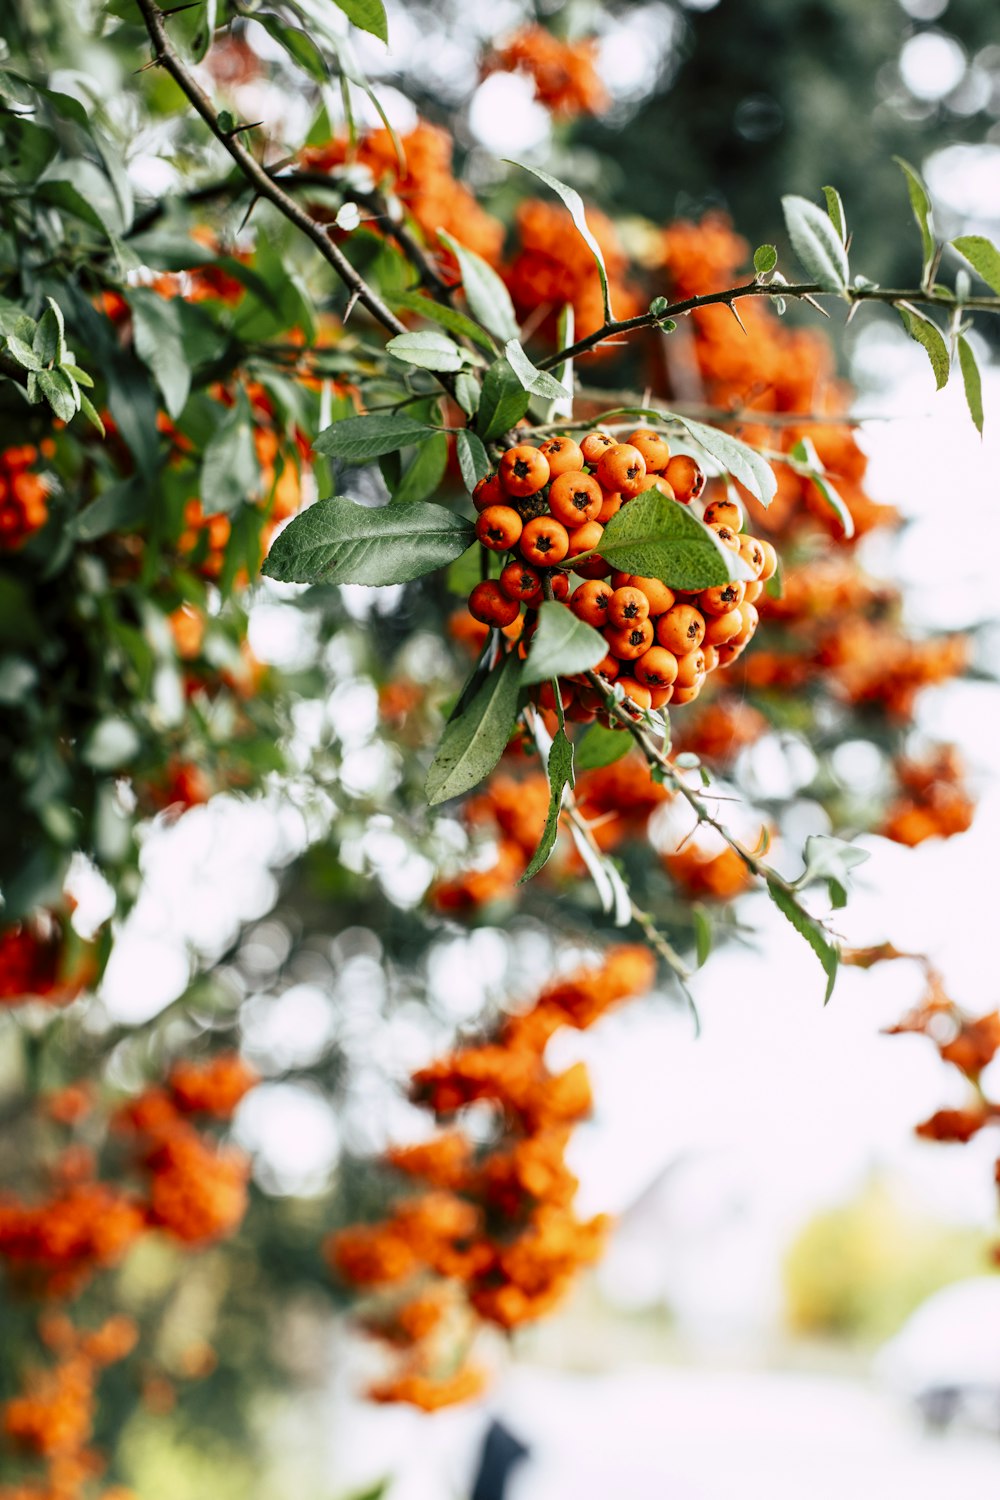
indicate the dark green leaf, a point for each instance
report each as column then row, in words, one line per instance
column 538, row 382
column 983, row 257
column 426, row 349
column 48, row 344
column 59, row 392
column 924, row 331
column 835, row 213
column 562, row 645
column 22, row 352
column 487, row 296
column 973, row 383
column 473, row 459
column 816, row 243
column 230, row 471
column 159, row 342
column 357, row 440
column 338, row 541
column 601, row 747
column 921, row 205
column 736, row 457
column 367, row 15
column 297, row 43
column 503, row 401
column 121, row 507
column 815, row 935
column 424, row 472
column 765, row 258
column 560, row 769
column 574, row 203
column 659, row 538
column 475, row 740
column 82, row 189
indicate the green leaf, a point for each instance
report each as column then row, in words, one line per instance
column 574, row 203
column 816, row 243
column 924, row 331
column 488, row 298
column 562, row 645
column 58, row 390
column 476, row 738
column 835, row 213
column 449, row 317
column 49, row 344
column 503, row 401
column 82, row 189
column 92, row 414
column 118, row 508
column 159, row 343
column 299, row 45
column 427, row 349
column 230, row 472
column 920, row 203
column 972, row 381
column 467, row 391
column 983, row 257
column 538, row 382
column 815, row 935
column 366, row 15
column 473, row 460
column 702, row 933
column 659, row 538
column 830, row 859
column 805, row 452
column 735, row 456
column 765, row 258
column 601, row 747
column 339, row 541
column 424, row 472
column 560, row 769
column 22, row 353
column 357, row 440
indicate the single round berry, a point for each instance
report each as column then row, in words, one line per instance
column 720, row 600
column 523, row 470
column 654, row 448
column 575, row 497
column 520, row 582
column 499, row 528
column 627, row 606
column 724, row 513
column 594, row 446
column 488, row 492
column 622, row 468
column 630, row 641
column 563, row 456
column 589, row 602
column 585, row 538
column 657, row 668
column 660, row 597
column 685, row 476
column 489, row 604
column 681, row 629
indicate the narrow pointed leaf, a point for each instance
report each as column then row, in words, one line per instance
column 816, row 243
column 487, row 296
column 835, row 212
column 360, row 439
column 920, row 203
column 560, row 770
column 815, row 935
column 562, row 645
column 924, row 331
column 578, row 214
column 475, row 740
column 983, row 256
column 538, row 382
column 973, row 383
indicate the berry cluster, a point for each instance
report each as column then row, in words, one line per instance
column 546, row 506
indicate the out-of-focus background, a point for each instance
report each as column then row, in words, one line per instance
column 798, row 1294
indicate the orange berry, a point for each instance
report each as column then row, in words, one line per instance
column 640, row 696
column 488, row 492
column 547, row 698
column 723, row 513
column 722, row 628
column 750, row 622
column 752, row 553
column 581, row 712
column 691, row 668
column 627, row 606
column 622, row 468
column 720, row 600
column 660, row 697
column 612, row 505
column 753, row 592
column 681, row 629
column 499, row 527
column 544, row 541
column 585, row 538
column 688, row 694
column 594, row 445
column 729, row 652
column 654, row 448
column 631, row 641
column 560, row 586
column 770, row 562
column 686, row 477
column 711, row 655
column 524, row 470
column 659, row 596
column 563, row 455
column 589, row 602
column 727, row 536
column 657, row 482
column 608, row 667
column 574, row 498
column 620, row 580
column 489, row 604
column 657, row 667
column 520, row 582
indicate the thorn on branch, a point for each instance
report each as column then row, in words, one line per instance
column 246, row 217
column 352, row 303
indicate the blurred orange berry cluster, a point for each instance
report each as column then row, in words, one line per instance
column 490, row 1237
column 564, row 73
column 41, row 958
column 934, row 800
column 23, row 495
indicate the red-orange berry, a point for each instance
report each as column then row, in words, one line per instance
column 711, row 655
column 750, row 621
column 685, row 476
column 559, row 584
column 488, row 492
column 639, row 695
column 611, row 506
column 660, row 597
column 654, row 448
column 727, row 536
column 627, row 606
column 690, row 668
column 657, row 667
column 585, row 538
column 720, row 600
column 753, row 592
column 524, row 470
column 589, row 602
column 574, row 498
column 770, row 562
column 622, row 468
column 520, row 582
column 722, row 628
column 723, row 513
column 544, row 542
column 752, row 553
column 684, row 695
column 608, row 667
column 563, row 455
column 660, row 697
column 631, row 641
column 681, row 629
column 547, row 697
column 499, row 527
column 594, row 445
column 657, row 482
column 489, row 604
